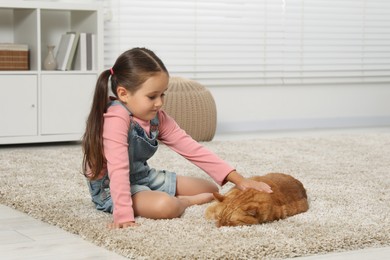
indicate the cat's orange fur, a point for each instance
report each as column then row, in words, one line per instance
column 250, row 207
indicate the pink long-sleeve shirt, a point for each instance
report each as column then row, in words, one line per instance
column 115, row 142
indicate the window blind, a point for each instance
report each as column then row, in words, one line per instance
column 258, row 42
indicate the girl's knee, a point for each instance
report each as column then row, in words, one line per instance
column 209, row 187
column 167, row 207
column 213, row 187
column 157, row 205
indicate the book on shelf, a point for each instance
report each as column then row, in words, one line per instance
column 70, row 63
column 94, row 60
column 80, row 62
column 91, row 46
column 64, row 50
column 85, row 58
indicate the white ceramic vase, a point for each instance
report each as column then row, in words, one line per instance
column 50, row 62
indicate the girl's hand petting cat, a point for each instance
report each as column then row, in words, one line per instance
column 244, row 183
column 122, row 225
column 257, row 185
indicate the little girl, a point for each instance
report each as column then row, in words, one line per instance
column 122, row 133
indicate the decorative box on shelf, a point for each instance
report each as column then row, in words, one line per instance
column 14, row 56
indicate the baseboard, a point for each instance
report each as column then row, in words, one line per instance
column 302, row 124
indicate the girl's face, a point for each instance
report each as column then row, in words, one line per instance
column 147, row 100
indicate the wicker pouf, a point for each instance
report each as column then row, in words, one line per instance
column 193, row 108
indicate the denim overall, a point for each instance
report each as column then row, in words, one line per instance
column 141, row 148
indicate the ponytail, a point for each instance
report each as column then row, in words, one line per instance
column 92, row 141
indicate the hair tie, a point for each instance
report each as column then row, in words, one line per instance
column 111, row 71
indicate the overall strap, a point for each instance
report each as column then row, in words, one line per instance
column 153, row 123
column 116, row 103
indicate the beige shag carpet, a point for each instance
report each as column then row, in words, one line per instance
column 347, row 178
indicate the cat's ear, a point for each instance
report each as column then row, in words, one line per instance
column 218, row 196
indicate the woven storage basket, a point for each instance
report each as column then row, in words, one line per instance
column 193, row 108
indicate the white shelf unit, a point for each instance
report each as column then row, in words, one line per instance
column 46, row 106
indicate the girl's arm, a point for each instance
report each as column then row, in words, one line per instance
column 179, row 141
column 176, row 138
column 115, row 133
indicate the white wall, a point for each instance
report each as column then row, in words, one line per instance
column 301, row 107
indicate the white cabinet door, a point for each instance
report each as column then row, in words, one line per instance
column 66, row 101
column 18, row 105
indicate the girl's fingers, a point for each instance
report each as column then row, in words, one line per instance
column 122, row 225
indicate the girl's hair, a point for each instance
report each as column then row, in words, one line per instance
column 131, row 70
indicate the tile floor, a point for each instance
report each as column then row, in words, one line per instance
column 22, row 237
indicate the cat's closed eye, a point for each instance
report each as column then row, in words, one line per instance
column 251, row 212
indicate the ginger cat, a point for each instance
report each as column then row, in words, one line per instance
column 250, row 207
